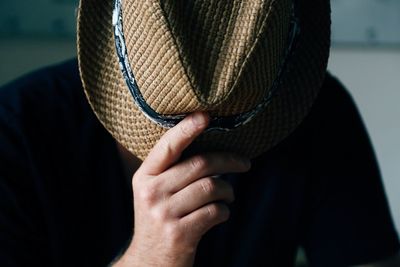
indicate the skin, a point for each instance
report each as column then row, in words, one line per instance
column 177, row 202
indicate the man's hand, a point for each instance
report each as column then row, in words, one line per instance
column 176, row 202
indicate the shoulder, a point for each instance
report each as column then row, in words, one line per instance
column 44, row 112
column 332, row 114
column 332, row 118
column 345, row 189
column 333, row 103
column 46, row 102
column 42, row 90
column 57, row 160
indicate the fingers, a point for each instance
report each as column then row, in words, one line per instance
column 201, row 220
column 171, row 145
column 199, row 166
column 198, row 194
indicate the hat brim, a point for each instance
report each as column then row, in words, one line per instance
column 109, row 97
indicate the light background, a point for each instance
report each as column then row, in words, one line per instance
column 365, row 56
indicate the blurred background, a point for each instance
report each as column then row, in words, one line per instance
column 365, row 56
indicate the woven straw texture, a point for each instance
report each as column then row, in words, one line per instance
column 216, row 56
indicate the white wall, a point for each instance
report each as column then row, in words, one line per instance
column 21, row 55
column 372, row 75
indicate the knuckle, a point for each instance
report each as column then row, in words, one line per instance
column 137, row 179
column 159, row 214
column 167, row 147
column 208, row 185
column 147, row 194
column 186, row 130
column 155, row 184
column 198, row 162
column 212, row 210
column 218, row 211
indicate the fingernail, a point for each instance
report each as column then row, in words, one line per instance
column 198, row 119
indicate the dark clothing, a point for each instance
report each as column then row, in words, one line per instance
column 64, row 200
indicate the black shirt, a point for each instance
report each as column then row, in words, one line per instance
column 64, row 200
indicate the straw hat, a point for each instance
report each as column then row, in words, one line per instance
column 255, row 66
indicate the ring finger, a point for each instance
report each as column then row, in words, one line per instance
column 198, row 194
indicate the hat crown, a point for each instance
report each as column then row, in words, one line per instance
column 205, row 51
column 214, row 38
column 157, row 65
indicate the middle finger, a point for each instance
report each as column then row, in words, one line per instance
column 198, row 194
column 199, row 166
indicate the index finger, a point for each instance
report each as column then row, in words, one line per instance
column 171, row 145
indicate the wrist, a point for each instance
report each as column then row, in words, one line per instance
column 136, row 256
